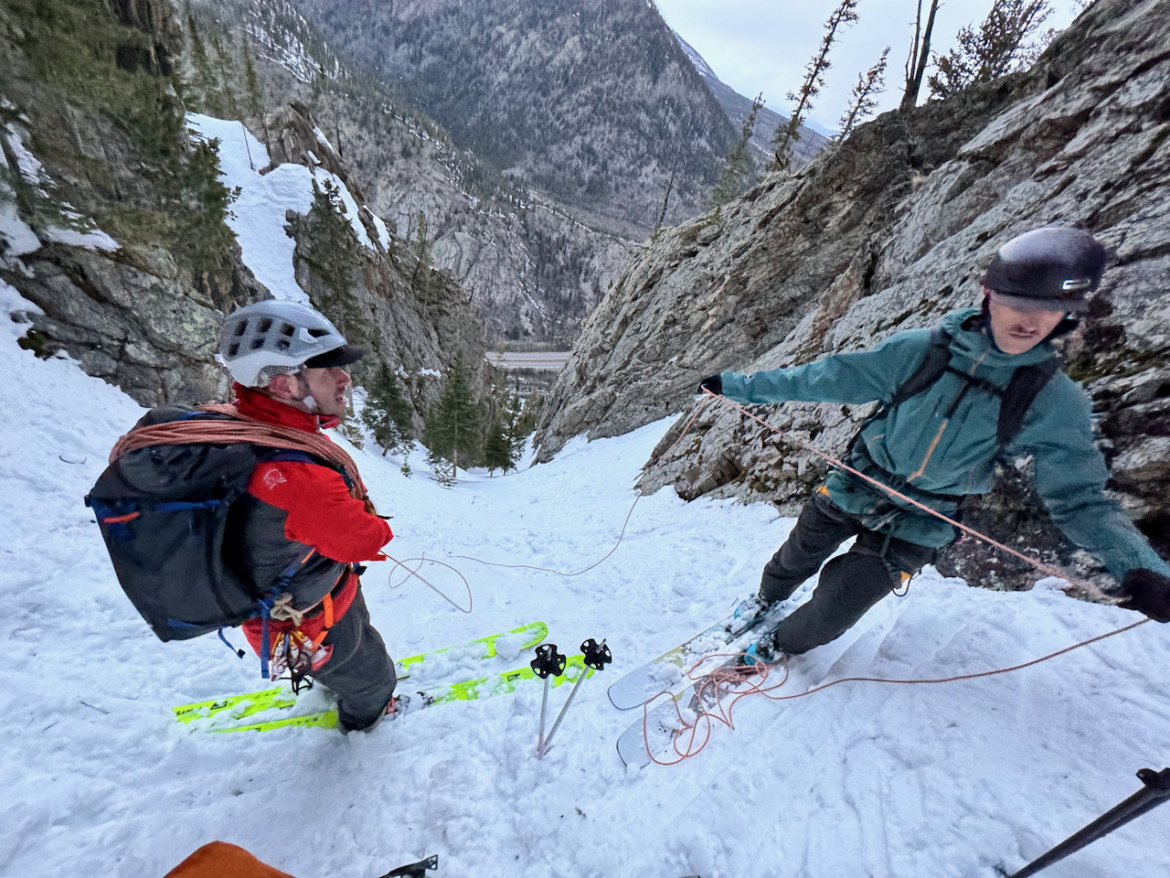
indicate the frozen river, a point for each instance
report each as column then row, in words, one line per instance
column 545, row 361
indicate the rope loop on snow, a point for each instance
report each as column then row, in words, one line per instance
column 727, row 684
column 415, row 574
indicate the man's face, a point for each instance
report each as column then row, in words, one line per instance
column 328, row 387
column 1016, row 331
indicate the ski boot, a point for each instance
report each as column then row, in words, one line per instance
column 763, row 652
column 746, row 612
column 395, row 707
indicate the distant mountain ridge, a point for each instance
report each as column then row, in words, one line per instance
column 737, row 107
column 530, row 269
column 592, row 102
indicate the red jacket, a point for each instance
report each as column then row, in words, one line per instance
column 296, row 509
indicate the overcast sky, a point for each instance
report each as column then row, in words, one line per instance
column 756, row 46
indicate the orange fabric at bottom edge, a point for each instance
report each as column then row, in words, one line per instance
column 218, row 859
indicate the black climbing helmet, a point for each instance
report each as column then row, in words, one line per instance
column 1052, row 269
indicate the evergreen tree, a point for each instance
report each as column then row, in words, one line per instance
column 521, row 421
column 497, row 450
column 387, row 413
column 787, row 135
column 865, row 92
column 420, row 279
column 737, row 170
column 999, row 47
column 255, row 95
column 452, row 430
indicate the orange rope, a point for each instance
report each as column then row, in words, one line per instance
column 713, row 687
column 710, row 688
column 1048, row 569
column 240, row 429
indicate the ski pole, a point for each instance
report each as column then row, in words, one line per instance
column 597, row 656
column 414, row 870
column 548, row 663
column 1155, row 792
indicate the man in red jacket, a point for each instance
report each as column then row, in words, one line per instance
column 303, row 525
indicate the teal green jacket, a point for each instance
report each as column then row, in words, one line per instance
column 938, row 459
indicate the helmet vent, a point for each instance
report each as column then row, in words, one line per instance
column 274, row 336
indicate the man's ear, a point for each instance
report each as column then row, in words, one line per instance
column 283, row 387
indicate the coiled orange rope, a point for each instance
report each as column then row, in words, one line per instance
column 723, row 687
column 240, row 429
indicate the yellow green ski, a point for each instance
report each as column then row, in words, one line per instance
column 468, row 690
column 282, row 698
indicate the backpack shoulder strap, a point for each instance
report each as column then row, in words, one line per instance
column 933, row 365
column 929, row 370
column 218, row 424
column 1026, row 382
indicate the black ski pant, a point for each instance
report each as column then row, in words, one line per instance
column 849, row 585
column 360, row 672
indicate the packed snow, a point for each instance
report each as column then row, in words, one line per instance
column 862, row 779
column 258, row 213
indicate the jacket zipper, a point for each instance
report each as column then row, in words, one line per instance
column 946, row 420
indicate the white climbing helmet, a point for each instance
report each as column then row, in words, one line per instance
column 273, row 337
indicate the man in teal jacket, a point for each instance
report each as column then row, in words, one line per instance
column 941, row 444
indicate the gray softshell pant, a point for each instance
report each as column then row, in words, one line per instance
column 849, row 585
column 360, row 672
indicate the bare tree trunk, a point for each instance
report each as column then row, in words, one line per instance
column 669, row 185
column 919, row 57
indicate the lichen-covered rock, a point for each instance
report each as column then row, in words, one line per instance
column 119, row 238
column 888, row 232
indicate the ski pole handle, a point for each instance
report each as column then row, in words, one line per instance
column 597, row 655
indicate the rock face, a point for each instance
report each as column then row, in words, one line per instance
column 890, row 231
column 129, row 277
column 530, row 270
column 112, row 219
column 152, row 334
column 412, row 316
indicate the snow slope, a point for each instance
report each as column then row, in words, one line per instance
column 858, row 780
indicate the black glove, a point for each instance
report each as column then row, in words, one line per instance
column 1147, row 592
column 713, row 383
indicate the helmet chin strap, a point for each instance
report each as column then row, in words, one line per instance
column 307, row 400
